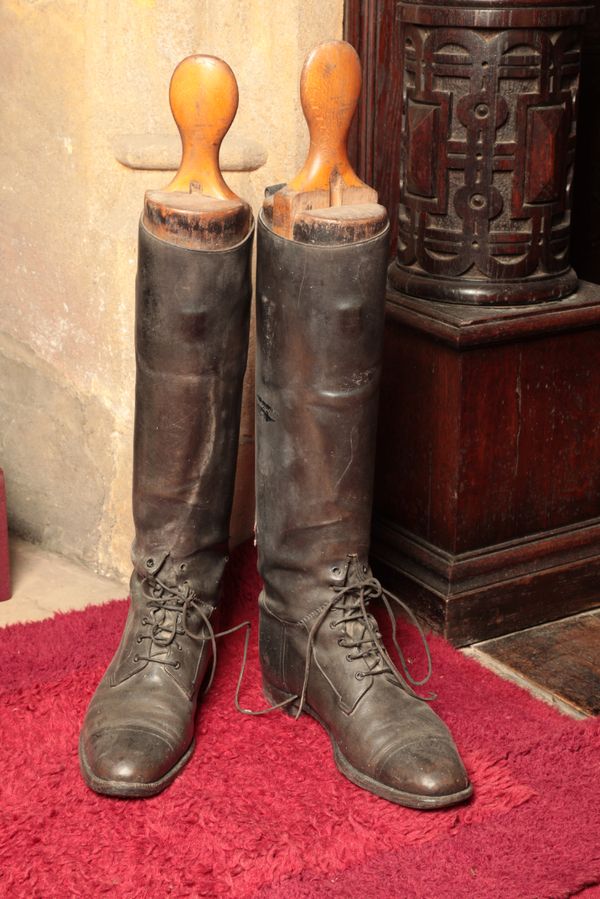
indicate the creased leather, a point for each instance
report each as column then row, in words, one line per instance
column 192, row 322
column 320, row 317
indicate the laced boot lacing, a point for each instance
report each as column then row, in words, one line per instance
column 169, row 609
column 351, row 603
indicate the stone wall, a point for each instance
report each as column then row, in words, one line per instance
column 85, row 82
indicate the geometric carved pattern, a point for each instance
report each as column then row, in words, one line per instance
column 487, row 156
column 423, row 130
column 542, row 181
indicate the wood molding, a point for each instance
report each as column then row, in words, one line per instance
column 487, row 510
column 372, row 27
column 502, row 608
column 450, row 575
column 470, row 326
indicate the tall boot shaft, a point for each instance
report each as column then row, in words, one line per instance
column 320, row 315
column 192, row 320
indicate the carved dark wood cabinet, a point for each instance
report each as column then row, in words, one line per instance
column 487, row 513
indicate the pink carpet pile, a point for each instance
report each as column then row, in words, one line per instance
column 261, row 810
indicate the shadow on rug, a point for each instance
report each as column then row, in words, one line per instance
column 261, row 810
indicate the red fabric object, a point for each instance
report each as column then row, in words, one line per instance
column 261, row 810
column 5, row 591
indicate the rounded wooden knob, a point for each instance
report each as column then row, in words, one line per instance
column 204, row 100
column 329, row 89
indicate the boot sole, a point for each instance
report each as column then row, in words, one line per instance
column 399, row 797
column 131, row 790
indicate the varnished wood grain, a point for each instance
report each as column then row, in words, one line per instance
column 329, row 89
column 500, row 608
column 204, row 99
column 340, row 224
column 487, row 487
column 487, row 493
column 197, row 208
column 373, row 28
column 562, row 658
column 585, row 242
column 500, row 441
column 195, row 220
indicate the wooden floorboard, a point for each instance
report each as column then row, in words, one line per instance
column 562, row 658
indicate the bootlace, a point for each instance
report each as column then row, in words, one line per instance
column 165, row 628
column 351, row 603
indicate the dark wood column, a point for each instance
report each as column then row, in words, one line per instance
column 487, row 511
column 585, row 243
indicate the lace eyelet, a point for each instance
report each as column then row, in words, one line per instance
column 337, row 571
column 136, row 658
column 145, row 621
column 149, row 563
column 177, row 666
column 182, row 567
column 349, row 658
column 359, row 675
column 138, row 639
column 340, row 641
column 333, row 624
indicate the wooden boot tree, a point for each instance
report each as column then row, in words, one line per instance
column 326, row 202
column 197, row 209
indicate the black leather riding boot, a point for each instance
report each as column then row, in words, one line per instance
column 320, row 314
column 192, row 321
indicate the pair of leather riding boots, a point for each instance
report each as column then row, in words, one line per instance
column 320, row 312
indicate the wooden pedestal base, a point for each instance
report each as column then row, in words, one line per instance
column 487, row 496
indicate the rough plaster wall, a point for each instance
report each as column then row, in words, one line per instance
column 77, row 74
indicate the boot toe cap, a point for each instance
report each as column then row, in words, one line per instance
column 430, row 769
column 127, row 756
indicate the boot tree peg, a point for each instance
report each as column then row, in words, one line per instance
column 198, row 209
column 326, row 202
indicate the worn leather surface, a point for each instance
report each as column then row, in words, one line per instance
column 382, row 730
column 192, row 321
column 141, row 718
column 320, row 315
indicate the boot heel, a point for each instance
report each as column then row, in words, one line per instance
column 274, row 696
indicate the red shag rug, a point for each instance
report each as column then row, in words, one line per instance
column 261, row 810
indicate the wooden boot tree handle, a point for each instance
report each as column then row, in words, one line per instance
column 198, row 209
column 330, row 86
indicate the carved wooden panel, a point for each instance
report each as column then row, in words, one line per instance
column 486, row 162
column 488, row 105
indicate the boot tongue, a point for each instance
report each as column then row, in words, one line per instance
column 356, row 573
column 357, row 630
